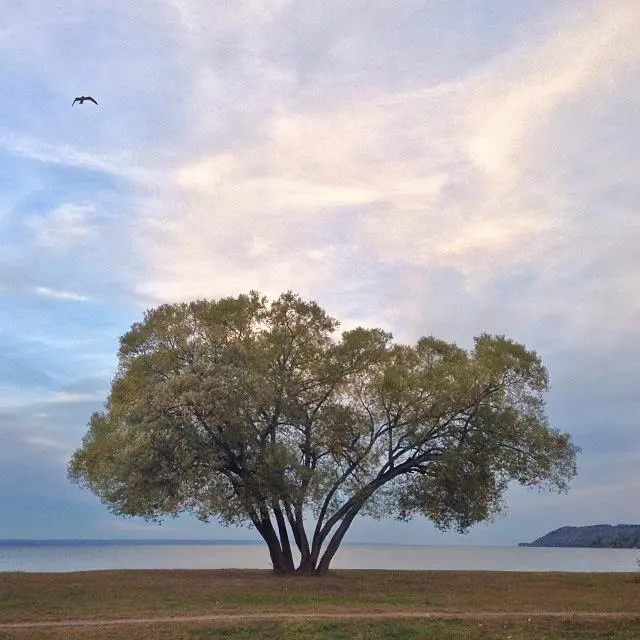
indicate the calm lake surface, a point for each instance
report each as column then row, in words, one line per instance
column 56, row 556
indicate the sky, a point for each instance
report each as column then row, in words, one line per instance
column 431, row 167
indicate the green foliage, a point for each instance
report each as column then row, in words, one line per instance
column 256, row 412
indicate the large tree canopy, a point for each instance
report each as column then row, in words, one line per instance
column 257, row 412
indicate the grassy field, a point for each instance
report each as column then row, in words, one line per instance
column 338, row 630
column 484, row 600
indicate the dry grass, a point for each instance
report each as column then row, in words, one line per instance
column 364, row 630
column 116, row 594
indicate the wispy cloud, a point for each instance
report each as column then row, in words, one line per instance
column 65, row 397
column 64, row 226
column 589, row 52
column 43, row 443
column 59, row 294
column 442, row 176
column 125, row 164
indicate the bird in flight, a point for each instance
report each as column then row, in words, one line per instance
column 81, row 99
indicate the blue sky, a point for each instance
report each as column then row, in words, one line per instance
column 442, row 167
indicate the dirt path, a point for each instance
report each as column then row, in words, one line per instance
column 388, row 615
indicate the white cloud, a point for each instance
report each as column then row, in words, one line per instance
column 246, row 16
column 54, row 342
column 42, row 442
column 423, row 174
column 65, row 226
column 59, row 294
column 442, row 176
column 589, row 50
column 65, row 397
column 124, row 164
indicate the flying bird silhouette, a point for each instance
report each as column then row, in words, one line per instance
column 81, row 99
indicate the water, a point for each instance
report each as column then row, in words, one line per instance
column 75, row 556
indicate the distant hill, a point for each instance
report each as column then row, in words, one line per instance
column 619, row 536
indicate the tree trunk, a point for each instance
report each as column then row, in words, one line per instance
column 336, row 540
column 287, row 565
column 353, row 510
column 311, row 563
column 281, row 559
column 307, row 564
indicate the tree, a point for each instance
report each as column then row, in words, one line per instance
column 256, row 412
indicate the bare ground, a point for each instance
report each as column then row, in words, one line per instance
column 328, row 615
